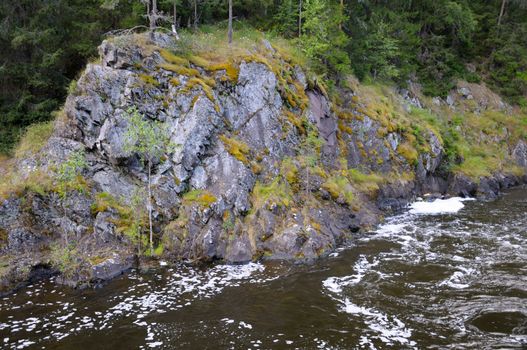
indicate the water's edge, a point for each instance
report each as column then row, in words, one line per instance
column 446, row 275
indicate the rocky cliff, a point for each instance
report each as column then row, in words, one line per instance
column 262, row 163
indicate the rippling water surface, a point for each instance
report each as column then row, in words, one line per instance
column 450, row 274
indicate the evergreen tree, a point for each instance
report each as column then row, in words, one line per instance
column 380, row 53
column 44, row 44
column 286, row 18
column 323, row 41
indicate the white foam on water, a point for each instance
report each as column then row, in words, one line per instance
column 390, row 330
column 362, row 266
column 245, row 325
column 228, row 321
column 439, row 206
column 183, row 286
column 391, row 228
column 458, row 278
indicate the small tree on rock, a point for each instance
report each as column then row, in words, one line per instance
column 150, row 140
column 68, row 179
column 310, row 151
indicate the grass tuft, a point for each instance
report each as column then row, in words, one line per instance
column 236, row 148
column 200, row 197
column 35, row 137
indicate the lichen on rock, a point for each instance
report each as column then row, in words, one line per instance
column 239, row 182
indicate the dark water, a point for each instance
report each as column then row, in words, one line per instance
column 421, row 281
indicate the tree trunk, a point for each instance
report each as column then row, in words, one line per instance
column 174, row 25
column 175, row 14
column 300, row 19
column 153, row 15
column 230, row 22
column 502, row 11
column 195, row 14
column 148, row 14
column 150, row 207
column 139, row 241
column 66, row 238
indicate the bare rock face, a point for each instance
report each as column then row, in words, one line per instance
column 238, row 185
column 520, row 153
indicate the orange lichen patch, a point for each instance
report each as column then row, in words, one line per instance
column 343, row 147
column 257, row 58
column 198, row 61
column 256, row 168
column 344, row 115
column 289, row 171
column 194, row 100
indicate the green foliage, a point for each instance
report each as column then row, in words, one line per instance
column 69, row 176
column 286, row 18
column 43, row 46
column 276, row 193
column 149, row 139
column 65, row 259
column 289, row 171
column 322, row 39
column 35, row 137
column 131, row 218
column 72, row 167
column 339, row 187
column 65, row 178
column 159, row 250
column 311, row 145
column 368, row 183
column 382, row 54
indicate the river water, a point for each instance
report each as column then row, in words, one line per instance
column 447, row 275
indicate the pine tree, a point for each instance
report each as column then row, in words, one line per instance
column 286, row 18
column 381, row 52
column 322, row 39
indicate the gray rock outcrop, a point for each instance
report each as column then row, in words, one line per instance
column 239, row 184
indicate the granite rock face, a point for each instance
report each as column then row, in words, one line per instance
column 235, row 187
column 520, row 154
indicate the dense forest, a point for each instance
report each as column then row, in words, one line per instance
column 44, row 44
